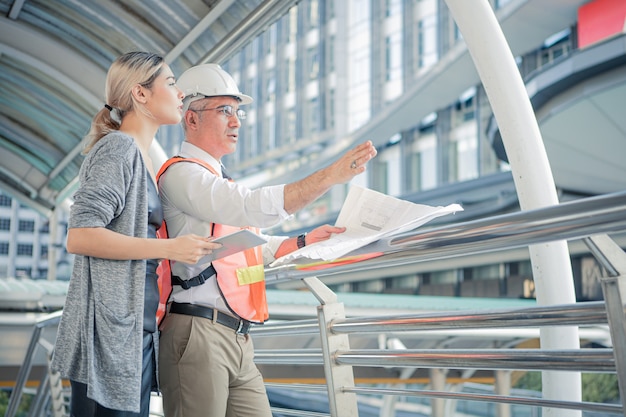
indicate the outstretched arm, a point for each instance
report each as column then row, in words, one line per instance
column 316, row 235
column 301, row 193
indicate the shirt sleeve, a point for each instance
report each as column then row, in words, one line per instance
column 270, row 248
column 193, row 190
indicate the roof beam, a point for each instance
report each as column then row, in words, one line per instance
column 16, row 8
column 198, row 30
column 256, row 22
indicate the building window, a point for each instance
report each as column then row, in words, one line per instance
column 464, row 109
column 314, row 115
column 22, row 272
column 269, row 132
column 314, row 16
column 291, row 24
column 271, row 37
column 330, row 9
column 314, row 63
column 5, row 200
column 551, row 54
column 408, row 284
column 375, row 286
column 393, row 7
column 387, row 58
column 415, row 167
column 26, row 226
column 250, row 139
column 380, row 177
column 501, row 3
column 270, row 87
column 4, row 248
column 427, row 42
column 423, row 165
column 359, row 12
column 331, row 54
column 44, row 251
column 5, row 224
column 393, row 57
column 331, row 110
column 290, row 82
column 290, row 125
column 453, row 161
column 24, row 249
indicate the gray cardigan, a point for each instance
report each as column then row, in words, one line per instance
column 99, row 340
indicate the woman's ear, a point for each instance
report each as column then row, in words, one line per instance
column 139, row 94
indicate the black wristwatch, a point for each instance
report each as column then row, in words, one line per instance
column 301, row 239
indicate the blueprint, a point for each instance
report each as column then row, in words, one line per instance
column 367, row 216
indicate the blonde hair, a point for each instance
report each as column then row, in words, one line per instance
column 125, row 73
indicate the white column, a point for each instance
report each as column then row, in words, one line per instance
column 438, row 383
column 522, row 140
column 503, row 387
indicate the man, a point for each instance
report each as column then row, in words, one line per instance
column 206, row 355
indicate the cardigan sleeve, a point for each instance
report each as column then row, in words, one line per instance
column 105, row 178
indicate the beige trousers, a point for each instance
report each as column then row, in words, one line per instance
column 207, row 370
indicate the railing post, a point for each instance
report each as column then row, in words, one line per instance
column 613, row 259
column 438, row 383
column 341, row 403
column 22, row 376
column 503, row 387
column 54, row 383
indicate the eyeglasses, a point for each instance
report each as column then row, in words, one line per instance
column 228, row 111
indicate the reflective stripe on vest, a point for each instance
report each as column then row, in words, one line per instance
column 240, row 276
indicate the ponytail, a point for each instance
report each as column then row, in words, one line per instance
column 103, row 123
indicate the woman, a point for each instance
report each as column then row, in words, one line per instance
column 107, row 339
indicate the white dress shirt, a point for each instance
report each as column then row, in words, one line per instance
column 193, row 198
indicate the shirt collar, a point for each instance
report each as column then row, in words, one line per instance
column 189, row 150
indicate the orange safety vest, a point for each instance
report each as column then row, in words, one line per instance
column 240, row 276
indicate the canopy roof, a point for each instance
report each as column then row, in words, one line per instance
column 54, row 56
column 53, row 61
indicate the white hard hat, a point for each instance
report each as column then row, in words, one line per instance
column 208, row 80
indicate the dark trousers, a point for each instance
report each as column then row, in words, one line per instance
column 82, row 406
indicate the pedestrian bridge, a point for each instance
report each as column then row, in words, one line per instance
column 334, row 354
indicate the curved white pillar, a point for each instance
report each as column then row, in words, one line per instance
column 522, row 140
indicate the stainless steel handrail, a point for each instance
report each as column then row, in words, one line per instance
column 579, row 360
column 576, row 219
column 558, row 315
column 504, row 399
column 585, row 360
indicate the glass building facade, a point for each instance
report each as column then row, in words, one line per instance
column 27, row 244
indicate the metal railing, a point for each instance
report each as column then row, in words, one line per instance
column 49, row 393
column 588, row 219
column 580, row 360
